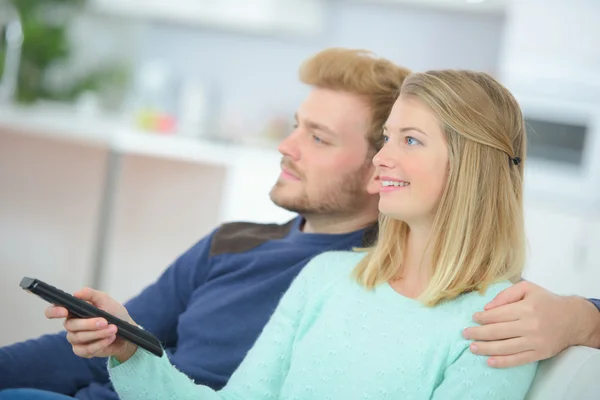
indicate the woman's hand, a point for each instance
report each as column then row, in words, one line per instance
column 94, row 337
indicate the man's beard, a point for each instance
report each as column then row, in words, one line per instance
column 345, row 196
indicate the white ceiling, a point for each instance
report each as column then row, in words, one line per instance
column 462, row 5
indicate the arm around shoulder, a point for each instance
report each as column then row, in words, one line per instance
column 588, row 332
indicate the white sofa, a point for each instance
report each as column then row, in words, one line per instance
column 573, row 374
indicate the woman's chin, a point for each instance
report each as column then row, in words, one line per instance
column 396, row 214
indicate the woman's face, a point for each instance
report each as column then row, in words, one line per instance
column 412, row 166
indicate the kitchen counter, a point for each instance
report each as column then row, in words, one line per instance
column 64, row 123
column 87, row 200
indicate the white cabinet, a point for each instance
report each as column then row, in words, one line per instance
column 564, row 248
column 591, row 274
column 561, row 35
column 304, row 17
column 47, row 211
column 550, row 41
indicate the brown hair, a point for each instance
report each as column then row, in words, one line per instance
column 359, row 72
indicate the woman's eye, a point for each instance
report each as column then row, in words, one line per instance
column 386, row 138
column 411, row 141
column 317, row 139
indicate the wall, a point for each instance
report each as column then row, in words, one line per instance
column 51, row 191
column 256, row 76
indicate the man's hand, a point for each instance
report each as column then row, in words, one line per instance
column 94, row 337
column 526, row 323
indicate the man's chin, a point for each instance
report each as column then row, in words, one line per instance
column 288, row 203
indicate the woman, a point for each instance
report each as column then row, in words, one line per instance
column 385, row 322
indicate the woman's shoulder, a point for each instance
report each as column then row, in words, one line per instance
column 336, row 260
column 490, row 291
column 339, row 257
column 474, row 301
column 331, row 265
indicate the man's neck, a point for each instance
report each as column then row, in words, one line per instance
column 337, row 225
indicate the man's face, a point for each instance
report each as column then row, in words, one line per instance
column 326, row 162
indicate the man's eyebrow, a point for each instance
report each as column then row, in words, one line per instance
column 316, row 126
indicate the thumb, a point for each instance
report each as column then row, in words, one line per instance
column 516, row 292
column 93, row 296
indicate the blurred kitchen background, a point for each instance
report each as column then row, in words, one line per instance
column 131, row 128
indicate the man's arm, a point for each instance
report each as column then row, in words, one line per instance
column 49, row 363
column 596, row 302
column 527, row 323
column 261, row 375
column 157, row 308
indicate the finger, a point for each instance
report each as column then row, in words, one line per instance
column 500, row 347
column 513, row 360
column 85, row 337
column 95, row 297
column 504, row 313
column 91, row 349
column 54, row 312
column 500, row 331
column 85, row 324
column 509, row 295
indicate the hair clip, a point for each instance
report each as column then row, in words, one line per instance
column 516, row 160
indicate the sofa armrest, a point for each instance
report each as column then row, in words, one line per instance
column 573, row 374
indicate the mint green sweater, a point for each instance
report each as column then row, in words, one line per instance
column 330, row 338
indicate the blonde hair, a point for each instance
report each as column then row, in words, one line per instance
column 358, row 72
column 478, row 235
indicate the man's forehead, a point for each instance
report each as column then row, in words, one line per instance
column 335, row 109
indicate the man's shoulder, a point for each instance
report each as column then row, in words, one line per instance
column 240, row 237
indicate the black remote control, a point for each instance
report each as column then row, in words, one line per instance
column 83, row 309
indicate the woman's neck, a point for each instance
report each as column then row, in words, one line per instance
column 417, row 263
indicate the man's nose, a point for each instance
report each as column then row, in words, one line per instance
column 289, row 146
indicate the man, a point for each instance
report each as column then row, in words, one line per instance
column 211, row 304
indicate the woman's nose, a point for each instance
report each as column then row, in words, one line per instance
column 383, row 158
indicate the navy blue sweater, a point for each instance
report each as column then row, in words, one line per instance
column 207, row 308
